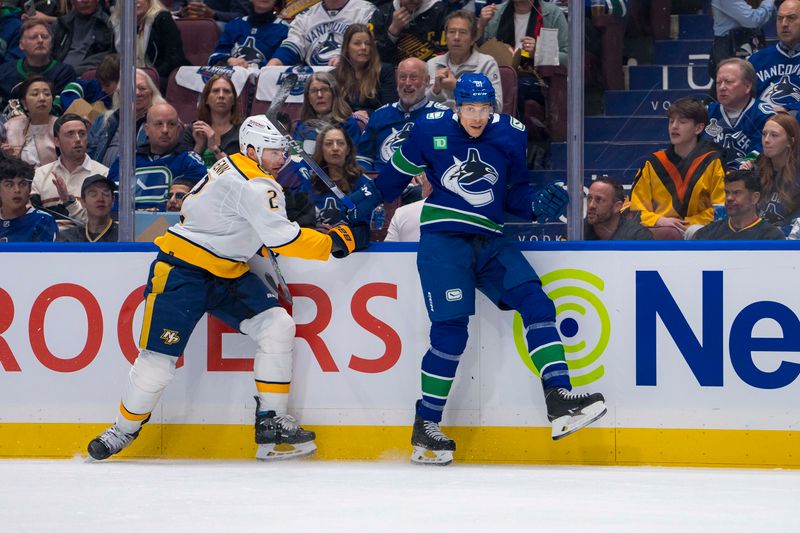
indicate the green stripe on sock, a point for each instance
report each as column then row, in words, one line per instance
column 435, row 213
column 404, row 165
column 546, row 355
column 436, row 386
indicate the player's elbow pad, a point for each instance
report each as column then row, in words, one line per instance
column 366, row 198
column 346, row 239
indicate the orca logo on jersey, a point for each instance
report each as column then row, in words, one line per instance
column 394, row 140
column 326, row 49
column 248, row 51
column 783, row 92
column 170, row 337
column 465, row 178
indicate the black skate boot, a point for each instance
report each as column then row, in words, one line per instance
column 431, row 446
column 280, row 437
column 570, row 412
column 110, row 442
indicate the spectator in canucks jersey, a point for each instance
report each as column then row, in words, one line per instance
column 160, row 162
column 336, row 155
column 410, row 28
column 390, row 124
column 472, row 158
column 735, row 121
column 18, row 222
column 777, row 67
column 250, row 41
column 315, row 35
column 99, row 89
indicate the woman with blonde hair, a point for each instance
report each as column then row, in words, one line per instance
column 30, row 136
column 364, row 81
column 323, row 105
column 103, row 143
column 778, row 167
column 158, row 40
column 215, row 133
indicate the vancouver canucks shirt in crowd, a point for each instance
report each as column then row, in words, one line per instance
column 33, row 226
column 737, row 136
column 475, row 180
column 778, row 76
column 387, row 128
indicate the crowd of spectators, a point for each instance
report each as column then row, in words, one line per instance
column 378, row 65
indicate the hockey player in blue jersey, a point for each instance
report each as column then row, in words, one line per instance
column 475, row 160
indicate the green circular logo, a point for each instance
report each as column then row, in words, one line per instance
column 581, row 319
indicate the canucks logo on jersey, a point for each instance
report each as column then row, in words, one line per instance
column 783, row 92
column 394, row 140
column 471, row 179
column 326, row 49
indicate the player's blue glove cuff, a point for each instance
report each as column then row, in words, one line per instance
column 550, row 202
column 366, row 198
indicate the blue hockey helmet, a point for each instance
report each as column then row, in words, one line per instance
column 474, row 87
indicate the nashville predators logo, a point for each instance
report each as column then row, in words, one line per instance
column 170, row 337
column 471, row 179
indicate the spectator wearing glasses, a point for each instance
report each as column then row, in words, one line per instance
column 97, row 198
column 36, row 44
column 177, row 192
column 323, row 106
column 57, row 185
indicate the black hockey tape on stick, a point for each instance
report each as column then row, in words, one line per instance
column 287, row 84
column 348, row 203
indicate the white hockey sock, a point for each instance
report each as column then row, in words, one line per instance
column 273, row 331
column 149, row 376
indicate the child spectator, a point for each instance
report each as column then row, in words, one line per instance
column 18, row 222
column 97, row 198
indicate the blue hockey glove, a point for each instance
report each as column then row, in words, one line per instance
column 367, row 198
column 550, row 203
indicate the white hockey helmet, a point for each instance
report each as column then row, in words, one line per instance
column 257, row 131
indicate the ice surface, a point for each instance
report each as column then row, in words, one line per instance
column 311, row 496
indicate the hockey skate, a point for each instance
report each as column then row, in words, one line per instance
column 569, row 412
column 431, row 446
column 110, row 442
column 280, row 437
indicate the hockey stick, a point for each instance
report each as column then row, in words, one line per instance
column 348, row 203
column 288, row 83
column 267, row 269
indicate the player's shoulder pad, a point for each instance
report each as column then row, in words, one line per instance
column 516, row 124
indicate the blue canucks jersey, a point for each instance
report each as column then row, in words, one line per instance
column 329, row 209
column 33, row 226
column 255, row 43
column 387, row 128
column 741, row 136
column 155, row 174
column 777, row 76
column 475, row 180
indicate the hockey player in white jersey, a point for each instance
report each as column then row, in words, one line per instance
column 202, row 267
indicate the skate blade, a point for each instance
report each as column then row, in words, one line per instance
column 424, row 456
column 567, row 425
column 278, row 452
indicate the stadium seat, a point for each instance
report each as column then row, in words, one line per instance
column 508, row 80
column 551, row 122
column 199, row 37
column 185, row 100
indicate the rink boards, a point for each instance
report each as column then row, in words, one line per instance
column 696, row 347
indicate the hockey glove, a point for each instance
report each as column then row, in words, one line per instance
column 347, row 239
column 367, row 198
column 550, row 203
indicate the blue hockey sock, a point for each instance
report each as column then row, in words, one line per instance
column 547, row 353
column 438, row 372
